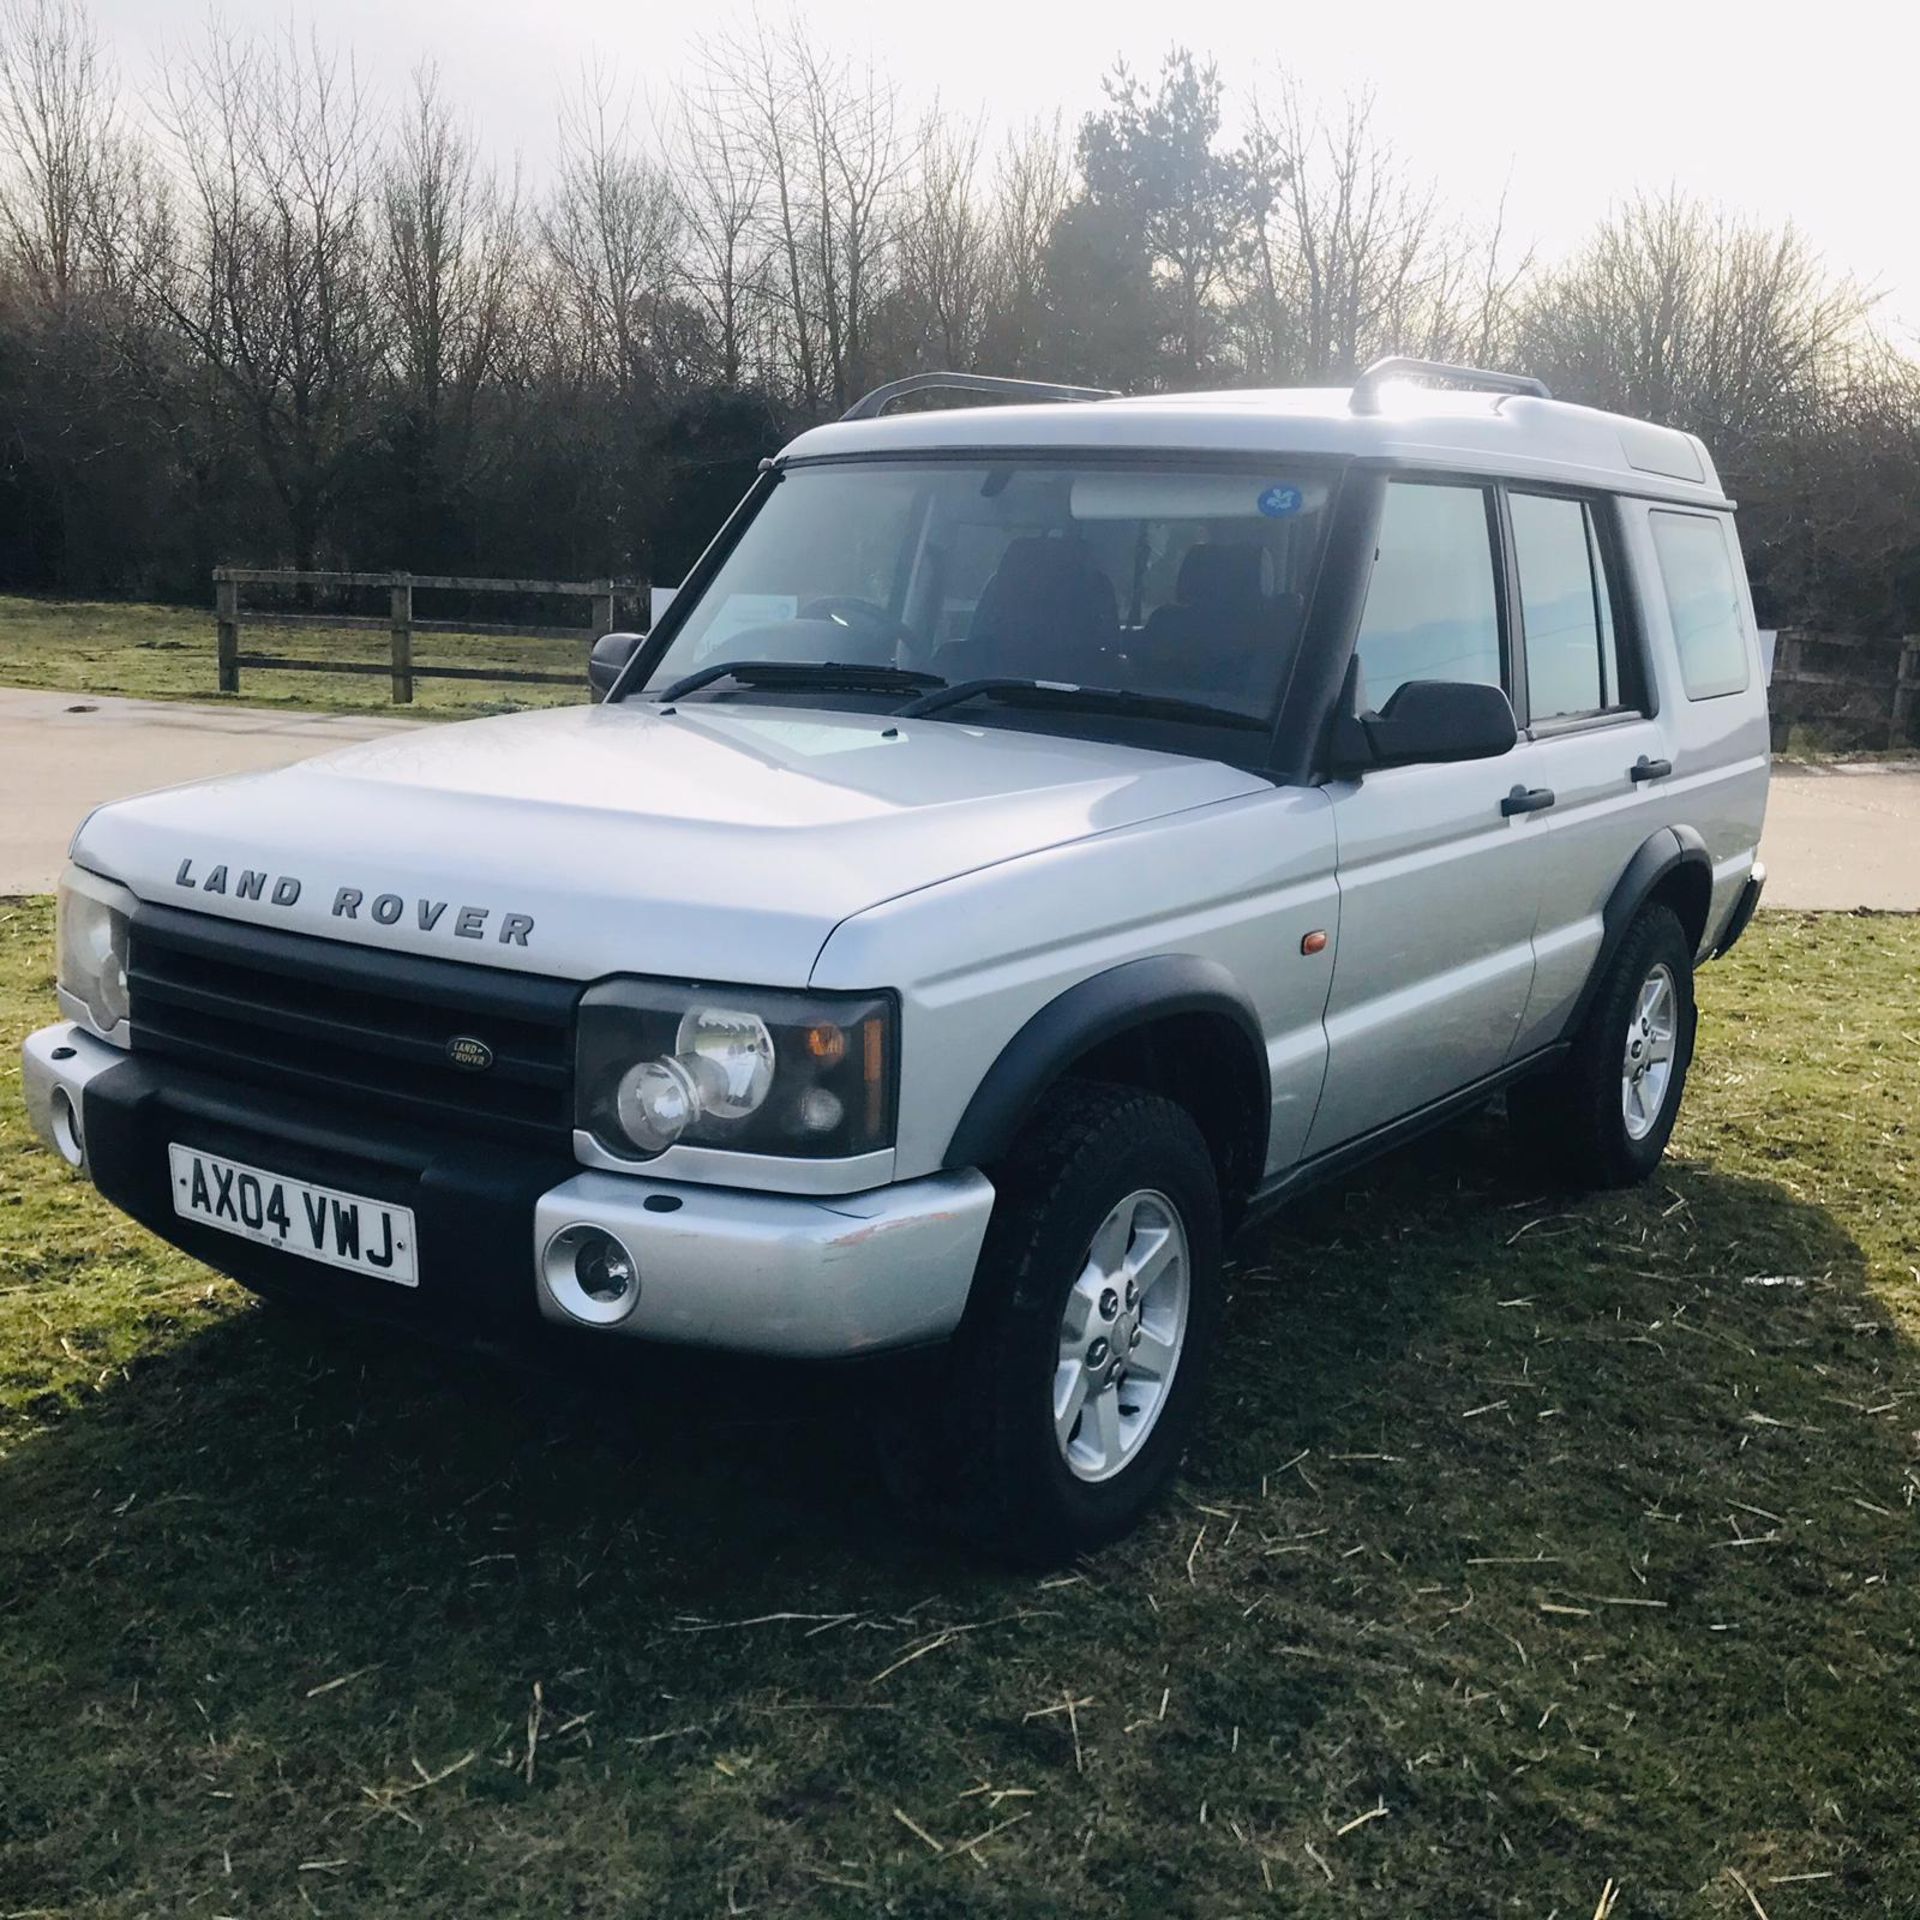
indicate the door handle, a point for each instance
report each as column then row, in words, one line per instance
column 1645, row 769
column 1527, row 800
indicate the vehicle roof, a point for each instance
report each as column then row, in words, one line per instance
column 1511, row 434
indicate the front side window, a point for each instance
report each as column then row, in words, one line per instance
column 1566, row 612
column 1167, row 580
column 1432, row 611
column 1703, row 602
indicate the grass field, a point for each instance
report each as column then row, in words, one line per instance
column 167, row 653
column 1540, row 1557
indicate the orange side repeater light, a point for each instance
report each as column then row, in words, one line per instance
column 873, row 1061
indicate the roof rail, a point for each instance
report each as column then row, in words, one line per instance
column 1400, row 366
column 870, row 406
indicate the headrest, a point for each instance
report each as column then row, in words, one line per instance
column 1226, row 577
column 1035, row 560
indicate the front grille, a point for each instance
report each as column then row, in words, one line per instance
column 352, row 1024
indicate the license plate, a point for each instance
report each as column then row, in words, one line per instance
column 318, row 1223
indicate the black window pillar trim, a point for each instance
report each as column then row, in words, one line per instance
column 1513, row 623
column 1299, row 753
column 1601, row 596
column 1632, row 651
column 660, row 636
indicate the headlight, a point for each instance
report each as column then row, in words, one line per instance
column 91, row 948
column 756, row 1071
column 731, row 1056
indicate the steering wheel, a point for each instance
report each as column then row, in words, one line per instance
column 850, row 611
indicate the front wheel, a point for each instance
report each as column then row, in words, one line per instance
column 1605, row 1115
column 1076, row 1379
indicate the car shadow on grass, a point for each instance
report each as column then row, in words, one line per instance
column 282, row 1559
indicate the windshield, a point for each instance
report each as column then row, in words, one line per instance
column 1170, row 580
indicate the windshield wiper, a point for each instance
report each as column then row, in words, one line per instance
column 844, row 676
column 1041, row 693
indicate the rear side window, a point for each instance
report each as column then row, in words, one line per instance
column 1432, row 610
column 1703, row 601
column 1573, row 657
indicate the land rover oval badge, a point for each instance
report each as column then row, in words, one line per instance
column 464, row 1051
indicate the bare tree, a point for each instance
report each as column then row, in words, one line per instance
column 722, row 174
column 78, row 203
column 1032, row 187
column 1487, row 325
column 825, row 138
column 81, row 218
column 946, row 243
column 1349, row 256
column 275, row 289
column 753, row 92
column 1680, row 313
column 612, row 232
column 450, row 259
column 56, row 118
column 856, row 161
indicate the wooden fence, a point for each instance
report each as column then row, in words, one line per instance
column 400, row 623
column 1845, row 691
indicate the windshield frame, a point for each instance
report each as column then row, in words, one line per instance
column 1250, row 749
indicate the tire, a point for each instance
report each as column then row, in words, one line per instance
column 1581, row 1117
column 1130, row 1171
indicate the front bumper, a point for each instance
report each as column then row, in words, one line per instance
column 718, row 1267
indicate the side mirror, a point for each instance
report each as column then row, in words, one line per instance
column 611, row 652
column 1425, row 720
column 1441, row 720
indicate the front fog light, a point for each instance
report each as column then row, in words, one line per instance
column 604, row 1269
column 591, row 1274
column 67, row 1137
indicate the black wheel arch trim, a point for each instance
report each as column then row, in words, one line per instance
column 1100, row 1008
column 1744, row 908
column 1662, row 853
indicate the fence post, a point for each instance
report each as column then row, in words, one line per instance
column 401, row 613
column 226, row 614
column 1906, row 693
column 602, row 608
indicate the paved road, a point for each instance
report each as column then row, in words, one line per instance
column 1844, row 835
column 62, row 754
column 1837, row 836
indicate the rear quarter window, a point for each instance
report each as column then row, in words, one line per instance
column 1704, row 603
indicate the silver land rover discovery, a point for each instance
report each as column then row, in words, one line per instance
column 1037, row 839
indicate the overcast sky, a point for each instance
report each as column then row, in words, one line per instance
column 1803, row 111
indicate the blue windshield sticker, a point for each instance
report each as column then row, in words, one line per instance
column 1278, row 503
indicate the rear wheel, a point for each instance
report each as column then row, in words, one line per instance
column 1074, row 1383
column 1605, row 1115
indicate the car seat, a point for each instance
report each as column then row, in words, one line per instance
column 1047, row 613
column 1224, row 632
